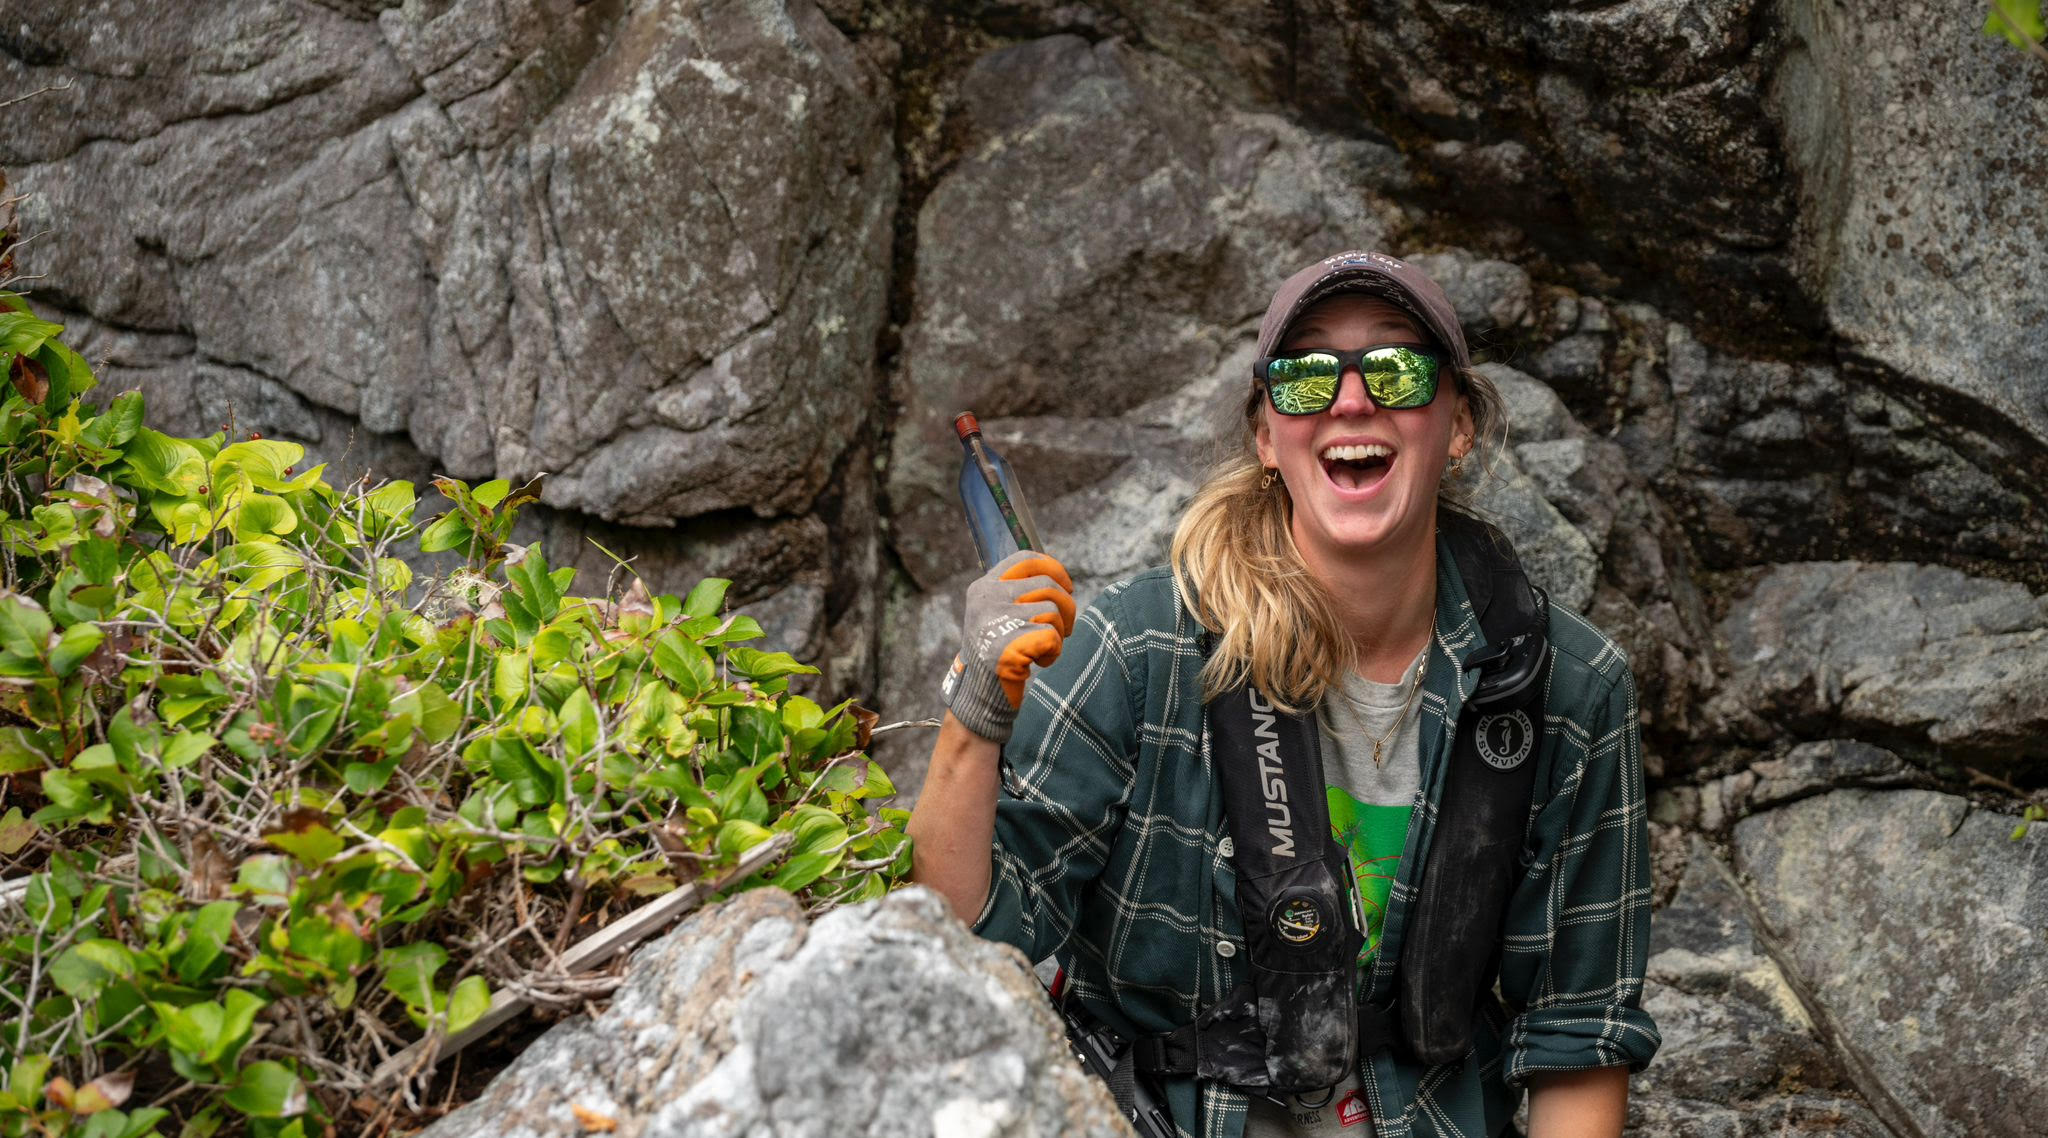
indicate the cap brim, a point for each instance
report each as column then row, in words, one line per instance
column 1379, row 285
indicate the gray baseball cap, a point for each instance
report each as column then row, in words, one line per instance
column 1374, row 274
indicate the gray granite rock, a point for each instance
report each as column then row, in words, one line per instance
column 1636, row 135
column 1923, row 659
column 1916, row 171
column 529, row 236
column 1769, row 460
column 1914, row 925
column 1740, row 1055
column 887, row 1018
column 1805, row 770
column 1110, row 236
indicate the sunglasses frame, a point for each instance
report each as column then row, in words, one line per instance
column 1347, row 361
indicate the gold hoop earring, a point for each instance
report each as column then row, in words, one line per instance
column 1266, row 483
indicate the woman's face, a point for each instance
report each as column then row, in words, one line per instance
column 1358, row 474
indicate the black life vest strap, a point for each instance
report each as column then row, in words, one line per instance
column 1451, row 951
column 1302, row 937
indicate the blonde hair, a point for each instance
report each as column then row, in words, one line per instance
column 1235, row 561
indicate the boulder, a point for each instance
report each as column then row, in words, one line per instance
column 1919, row 173
column 1109, row 236
column 1774, row 460
column 1740, row 1055
column 1633, row 135
column 415, row 217
column 1926, row 660
column 1913, row 924
column 1805, row 770
column 885, row 1018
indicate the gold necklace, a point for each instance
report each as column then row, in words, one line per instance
column 1377, row 744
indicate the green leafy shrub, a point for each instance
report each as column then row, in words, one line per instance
column 272, row 809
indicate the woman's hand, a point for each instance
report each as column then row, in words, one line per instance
column 1018, row 614
column 1578, row 1104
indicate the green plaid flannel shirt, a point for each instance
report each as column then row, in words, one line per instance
column 1106, row 855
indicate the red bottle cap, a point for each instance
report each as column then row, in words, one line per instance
column 965, row 424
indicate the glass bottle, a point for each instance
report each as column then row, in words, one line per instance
column 997, row 513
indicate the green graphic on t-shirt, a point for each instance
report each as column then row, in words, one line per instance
column 1373, row 836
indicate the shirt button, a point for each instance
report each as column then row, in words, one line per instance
column 1225, row 949
column 1226, row 848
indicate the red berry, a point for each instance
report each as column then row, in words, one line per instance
column 254, row 435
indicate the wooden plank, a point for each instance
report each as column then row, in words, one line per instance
column 601, row 946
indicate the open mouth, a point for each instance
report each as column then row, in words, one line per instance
column 1357, row 467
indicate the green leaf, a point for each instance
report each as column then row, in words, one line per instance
column 802, row 869
column 738, row 836
column 85, row 969
column 262, row 461
column 491, row 493
column 25, row 1076
column 24, row 749
column 71, row 649
column 16, row 832
column 263, row 515
column 468, row 1002
column 514, row 763
column 742, row 799
column 185, row 747
column 207, row 932
column 756, row 733
column 579, row 726
column 24, row 626
column 409, row 972
column 509, row 678
column 763, row 666
column 707, row 598
column 68, row 373
column 393, row 500
column 266, row 877
column 23, row 334
column 878, row 784
column 449, row 531
column 259, row 564
column 311, row 843
column 166, row 465
column 2016, row 21
column 118, row 423
column 684, row 664
column 267, row 1089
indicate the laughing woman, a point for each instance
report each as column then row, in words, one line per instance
column 1334, row 649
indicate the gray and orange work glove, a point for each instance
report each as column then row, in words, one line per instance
column 1018, row 614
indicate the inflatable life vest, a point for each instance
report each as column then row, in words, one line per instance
column 1294, row 1025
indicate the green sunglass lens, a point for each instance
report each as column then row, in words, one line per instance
column 1401, row 377
column 1303, row 385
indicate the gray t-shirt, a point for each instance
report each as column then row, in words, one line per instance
column 1370, row 805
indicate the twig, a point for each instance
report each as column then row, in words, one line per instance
column 904, row 725
column 1983, row 778
column 590, row 952
column 66, row 85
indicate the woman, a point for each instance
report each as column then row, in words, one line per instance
column 1313, row 567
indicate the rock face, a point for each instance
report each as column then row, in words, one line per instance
column 1920, row 657
column 1899, row 911
column 642, row 247
column 1761, row 282
column 1740, row 1053
column 887, row 1018
column 1927, row 255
